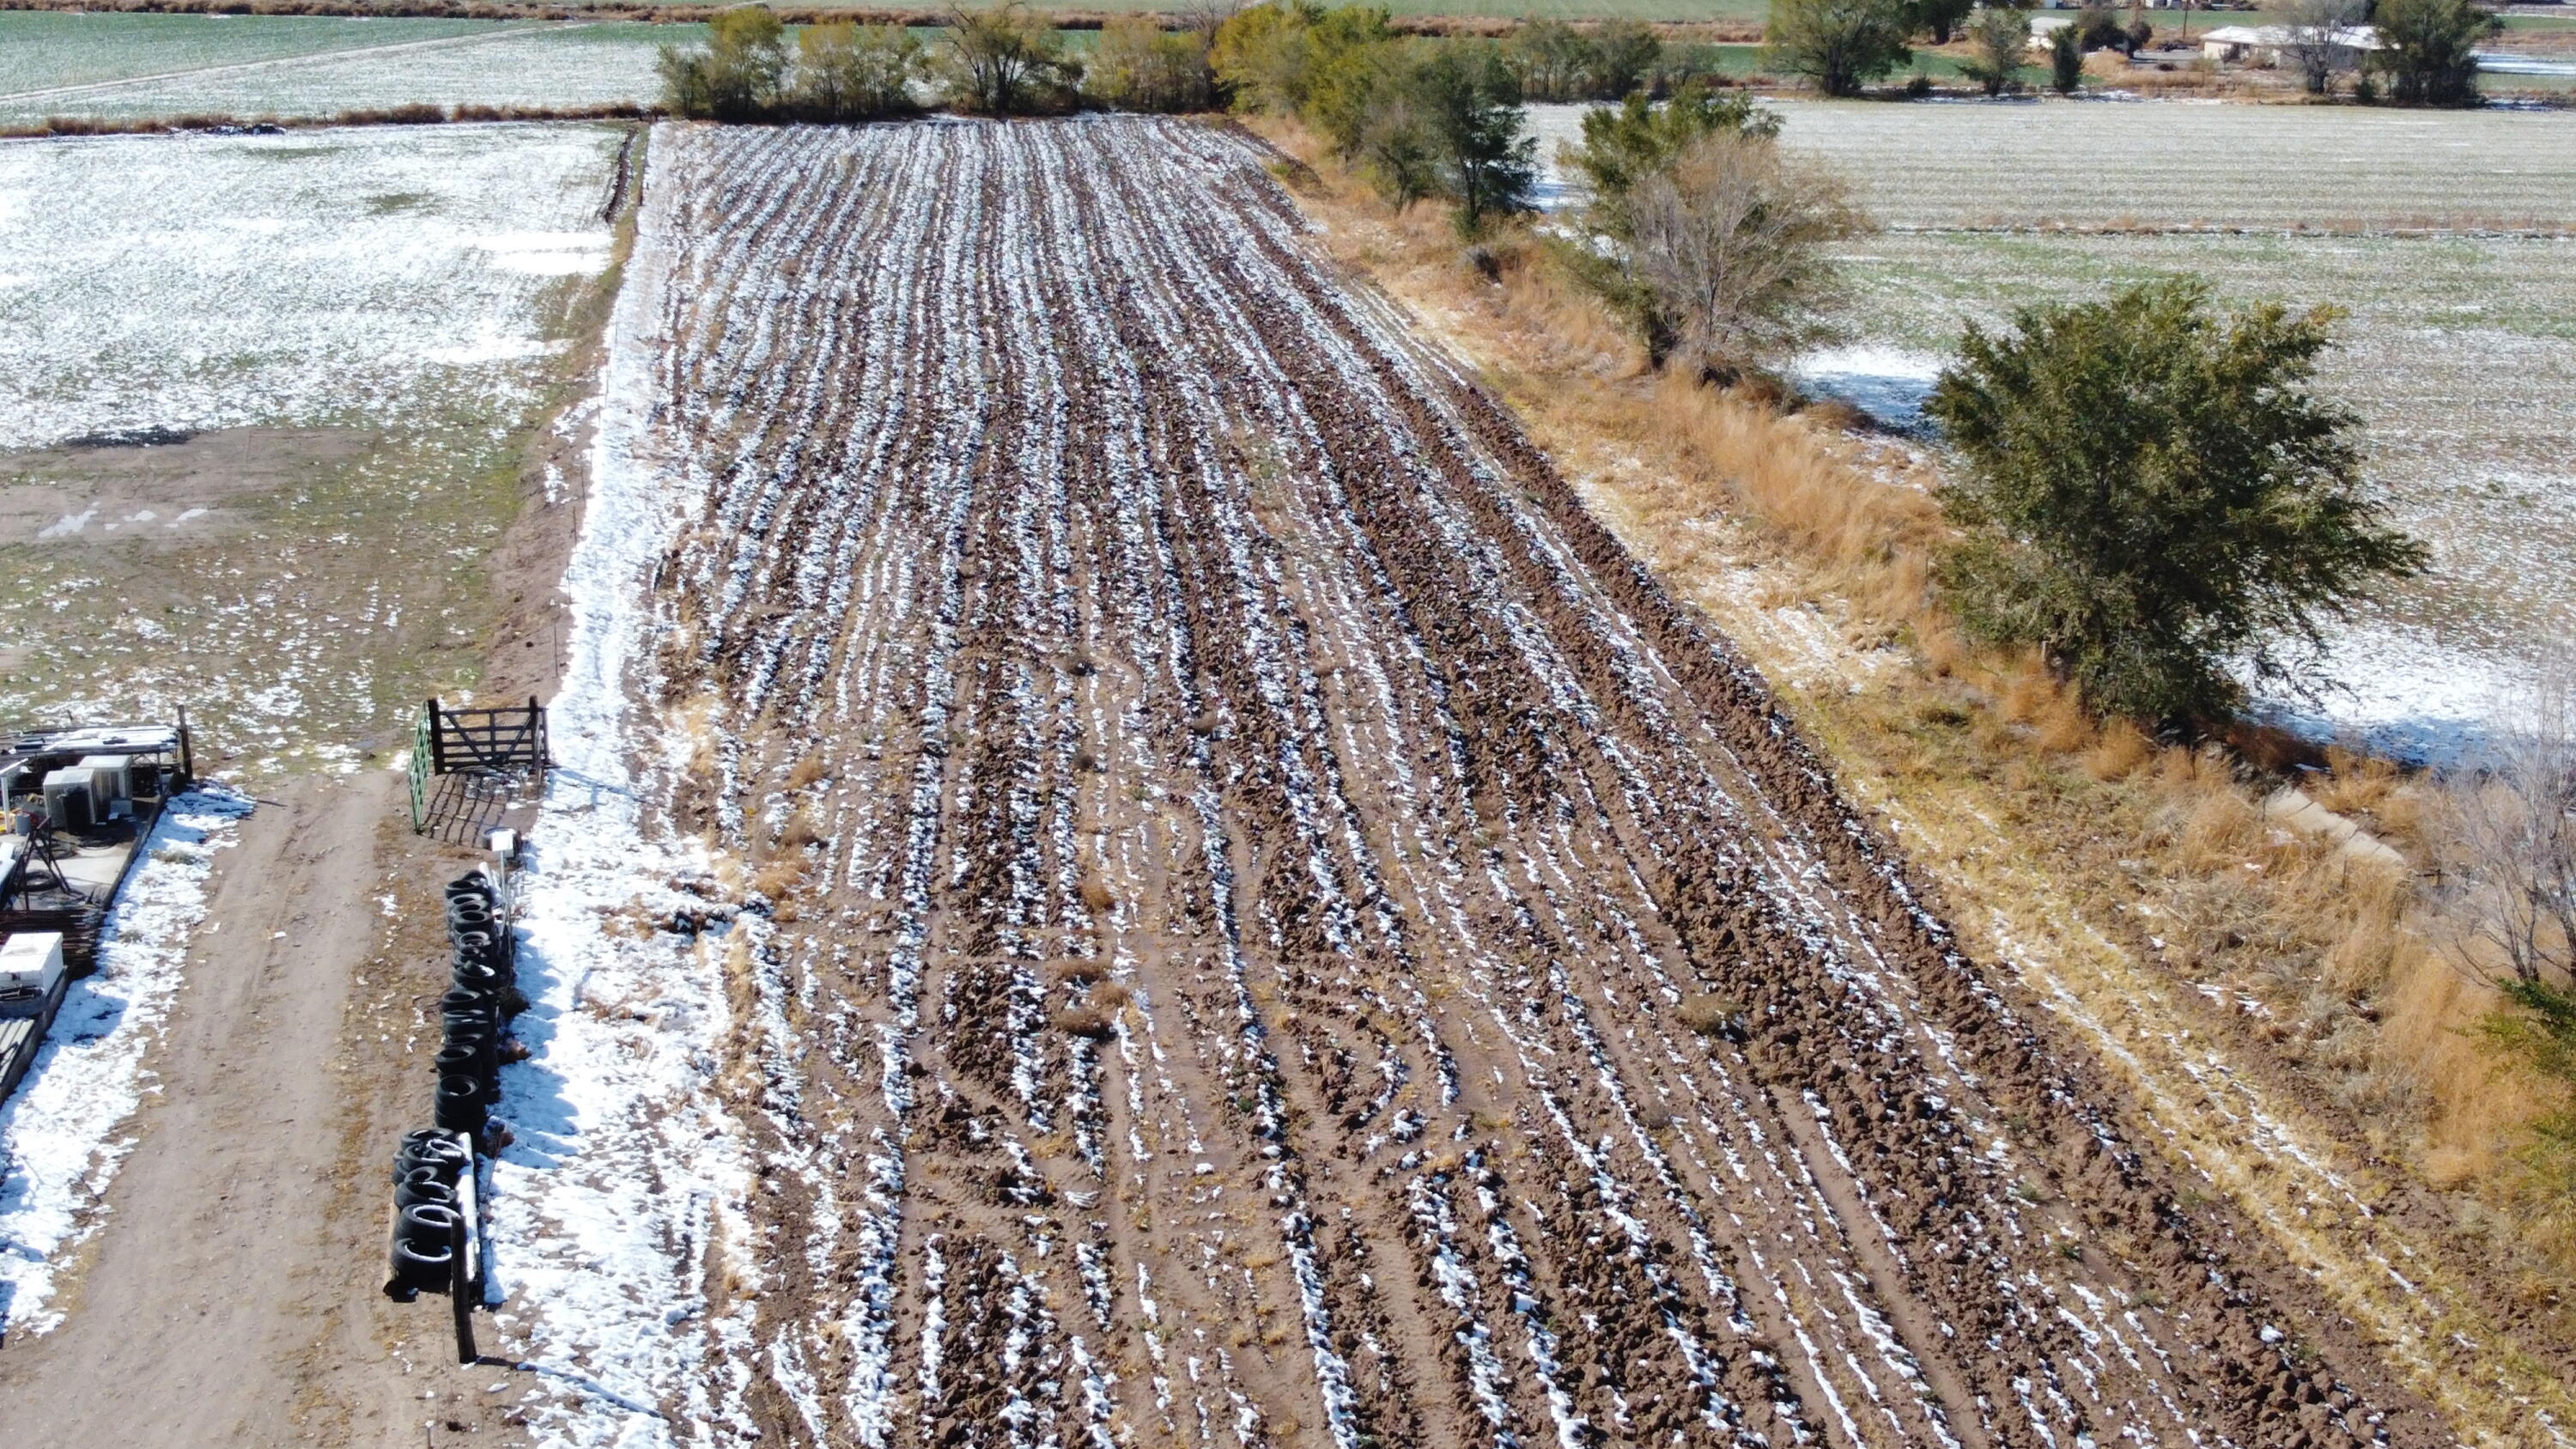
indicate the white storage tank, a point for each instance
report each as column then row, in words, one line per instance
column 31, row 973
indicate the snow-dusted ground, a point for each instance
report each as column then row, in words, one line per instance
column 626, row 1172
column 2404, row 690
column 214, row 281
column 1888, row 383
column 2454, row 348
column 402, row 287
column 2105, row 162
column 62, row 1133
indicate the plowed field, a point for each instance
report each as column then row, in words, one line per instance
column 1284, row 934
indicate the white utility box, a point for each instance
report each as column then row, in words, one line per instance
column 31, row 972
column 111, row 777
column 68, row 801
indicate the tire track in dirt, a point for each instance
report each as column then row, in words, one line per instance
column 1280, row 932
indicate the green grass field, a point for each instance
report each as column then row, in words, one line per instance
column 1735, row 11
column 44, row 50
column 485, row 63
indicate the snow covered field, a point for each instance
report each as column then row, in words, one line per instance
column 284, row 279
column 2445, row 238
column 356, row 322
column 62, row 1133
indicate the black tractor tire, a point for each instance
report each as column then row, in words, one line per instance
column 461, row 1104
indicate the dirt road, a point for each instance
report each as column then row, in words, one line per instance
column 1284, row 934
column 230, row 1297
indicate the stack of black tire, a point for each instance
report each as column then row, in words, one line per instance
column 426, row 1173
column 481, row 997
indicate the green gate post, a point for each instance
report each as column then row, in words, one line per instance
column 420, row 771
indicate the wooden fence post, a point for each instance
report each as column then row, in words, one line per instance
column 459, row 1287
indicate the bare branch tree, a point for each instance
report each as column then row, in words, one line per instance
column 1732, row 243
column 2321, row 39
column 2515, row 839
column 1206, row 17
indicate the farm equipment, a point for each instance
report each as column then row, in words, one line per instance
column 32, row 982
column 76, row 807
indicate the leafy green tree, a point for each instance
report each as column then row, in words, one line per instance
column 1470, row 109
column 1356, row 67
column 1006, row 60
column 847, row 72
column 1395, row 154
column 1937, row 18
column 2066, row 59
column 1625, row 57
column 1718, row 250
column 2000, row 36
column 1554, row 60
column 1257, row 51
column 1689, row 63
column 1140, row 66
column 1274, row 56
column 1838, row 44
column 2149, row 494
column 1626, row 143
column 2428, row 50
column 739, row 74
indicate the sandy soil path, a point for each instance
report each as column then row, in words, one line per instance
column 207, row 1285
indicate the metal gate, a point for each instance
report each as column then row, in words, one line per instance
column 486, row 752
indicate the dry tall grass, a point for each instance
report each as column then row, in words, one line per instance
column 2332, row 969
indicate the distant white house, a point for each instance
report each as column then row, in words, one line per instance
column 2269, row 44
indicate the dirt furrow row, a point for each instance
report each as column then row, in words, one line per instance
column 1272, row 930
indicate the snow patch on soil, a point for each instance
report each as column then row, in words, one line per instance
column 625, row 1170
column 59, row 1142
column 2402, row 692
column 289, row 280
column 1888, row 383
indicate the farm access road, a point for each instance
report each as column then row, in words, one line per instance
column 1283, row 933
column 230, row 1293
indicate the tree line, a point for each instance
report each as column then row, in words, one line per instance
column 1009, row 60
column 2426, row 53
